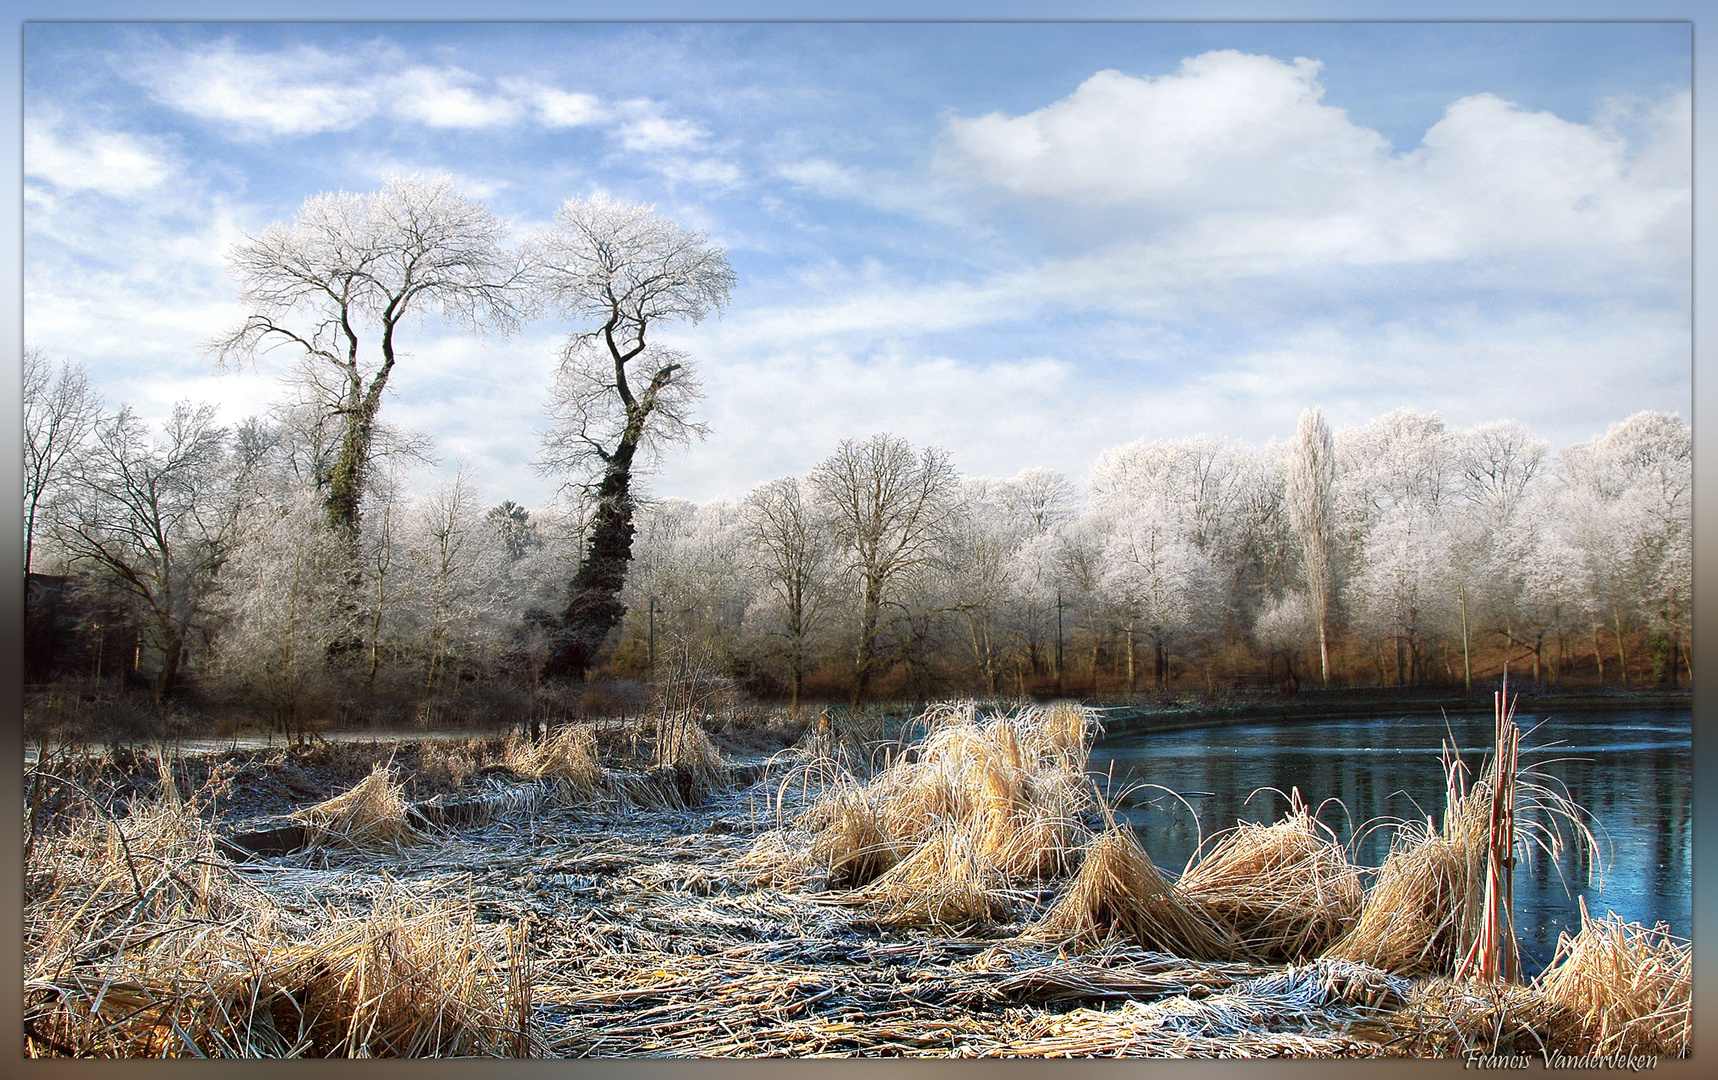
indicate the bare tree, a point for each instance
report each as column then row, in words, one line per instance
column 627, row 271
column 61, row 412
column 889, row 509
column 336, row 285
column 1311, row 504
column 157, row 516
column 791, row 549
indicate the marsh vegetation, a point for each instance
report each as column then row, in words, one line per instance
column 960, row 887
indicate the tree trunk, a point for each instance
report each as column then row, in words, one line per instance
column 171, row 645
column 865, row 656
column 1323, row 652
column 1598, row 652
column 593, row 596
column 1622, row 653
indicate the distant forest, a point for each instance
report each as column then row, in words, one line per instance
column 280, row 573
column 1429, row 556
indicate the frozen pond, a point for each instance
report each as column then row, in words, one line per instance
column 1632, row 770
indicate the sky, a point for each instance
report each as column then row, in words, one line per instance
column 1026, row 244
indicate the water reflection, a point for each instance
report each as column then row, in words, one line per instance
column 1631, row 770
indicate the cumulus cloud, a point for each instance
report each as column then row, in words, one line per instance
column 1238, row 157
column 106, row 162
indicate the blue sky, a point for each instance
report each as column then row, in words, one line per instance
column 1024, row 243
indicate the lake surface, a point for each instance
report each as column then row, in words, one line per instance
column 1631, row 770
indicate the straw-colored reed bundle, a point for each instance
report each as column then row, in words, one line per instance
column 1002, row 798
column 1118, row 891
column 141, row 942
column 1286, row 890
column 947, row 882
column 1630, row 986
column 410, row 979
column 1423, row 912
column 371, row 816
column 566, row 758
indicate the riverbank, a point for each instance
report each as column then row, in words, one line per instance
column 961, row 901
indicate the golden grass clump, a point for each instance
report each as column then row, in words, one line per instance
column 371, row 816
column 411, row 978
column 851, row 841
column 947, row 882
column 140, row 941
column 683, row 747
column 1631, row 987
column 992, row 801
column 566, row 758
column 1118, row 891
column 1423, row 912
column 1286, row 890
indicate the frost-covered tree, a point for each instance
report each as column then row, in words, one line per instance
column 336, row 285
column 791, row 550
column 1404, row 594
column 454, row 562
column 280, row 606
column 61, row 411
column 1312, row 511
column 890, row 511
column 157, row 516
column 1169, row 589
column 623, row 272
column 1630, row 493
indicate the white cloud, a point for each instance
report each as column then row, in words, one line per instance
column 107, row 162
column 295, row 91
column 561, row 108
column 445, row 97
column 1236, row 158
column 1203, row 134
column 649, row 131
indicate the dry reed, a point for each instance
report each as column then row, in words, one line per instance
column 1630, row 986
column 1286, row 890
column 941, row 834
column 566, row 758
column 409, row 979
column 1118, row 891
column 140, row 941
column 370, row 816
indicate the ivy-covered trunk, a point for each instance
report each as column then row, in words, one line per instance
column 594, row 607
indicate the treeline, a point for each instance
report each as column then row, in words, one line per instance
column 202, row 559
column 1414, row 553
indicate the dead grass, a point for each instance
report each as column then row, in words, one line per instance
column 566, row 758
column 141, row 942
column 371, row 816
column 1118, row 892
column 950, row 825
column 1286, row 890
column 1631, row 987
column 410, row 979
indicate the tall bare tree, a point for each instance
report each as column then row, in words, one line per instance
column 1311, row 503
column 790, row 548
column 158, row 516
column 338, row 282
column 889, row 509
column 61, row 412
column 623, row 271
